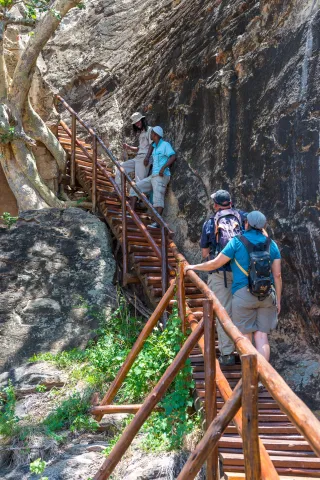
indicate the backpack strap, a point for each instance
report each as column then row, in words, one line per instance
column 249, row 246
column 241, row 268
column 267, row 244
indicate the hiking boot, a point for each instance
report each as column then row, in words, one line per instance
column 227, row 360
column 154, row 225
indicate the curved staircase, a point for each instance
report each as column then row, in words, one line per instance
column 289, row 451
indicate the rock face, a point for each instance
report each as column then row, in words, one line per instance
column 56, row 273
column 235, row 84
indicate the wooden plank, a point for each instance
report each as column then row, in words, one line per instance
column 241, row 476
column 250, row 417
column 272, row 443
column 278, row 461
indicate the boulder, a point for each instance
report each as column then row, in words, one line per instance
column 56, row 282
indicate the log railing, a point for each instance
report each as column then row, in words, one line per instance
column 257, row 461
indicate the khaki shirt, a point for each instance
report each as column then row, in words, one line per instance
column 144, row 141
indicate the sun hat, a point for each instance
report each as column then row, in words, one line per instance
column 256, row 220
column 136, row 117
column 221, row 197
column 158, row 130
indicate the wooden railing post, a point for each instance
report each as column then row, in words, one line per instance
column 124, row 228
column 151, row 401
column 94, row 173
column 73, row 150
column 212, row 435
column 181, row 294
column 210, row 382
column 164, row 268
column 250, row 420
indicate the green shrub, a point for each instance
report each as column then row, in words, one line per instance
column 8, row 419
column 8, row 219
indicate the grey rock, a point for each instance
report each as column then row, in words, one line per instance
column 56, row 274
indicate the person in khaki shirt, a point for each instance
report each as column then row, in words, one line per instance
column 163, row 157
column 140, row 163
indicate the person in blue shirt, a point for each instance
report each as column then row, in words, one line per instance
column 220, row 280
column 163, row 157
column 255, row 318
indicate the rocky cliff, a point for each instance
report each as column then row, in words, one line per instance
column 235, row 84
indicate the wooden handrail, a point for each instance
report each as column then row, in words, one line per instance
column 300, row 415
column 151, row 401
column 212, row 436
column 268, row 470
column 137, row 347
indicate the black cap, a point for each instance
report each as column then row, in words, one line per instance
column 221, row 197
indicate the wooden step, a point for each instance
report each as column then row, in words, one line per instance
column 278, row 461
column 241, row 476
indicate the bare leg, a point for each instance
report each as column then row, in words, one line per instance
column 248, row 336
column 133, row 201
column 159, row 210
column 262, row 344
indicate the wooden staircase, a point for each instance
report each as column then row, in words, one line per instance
column 290, row 453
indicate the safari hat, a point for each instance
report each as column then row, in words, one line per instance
column 158, row 130
column 136, row 117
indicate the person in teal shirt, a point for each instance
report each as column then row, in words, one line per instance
column 163, row 157
column 254, row 317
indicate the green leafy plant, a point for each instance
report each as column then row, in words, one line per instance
column 8, row 219
column 64, row 416
column 8, row 419
column 38, row 467
column 41, row 388
column 84, row 422
column 100, row 362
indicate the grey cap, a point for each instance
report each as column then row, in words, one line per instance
column 256, row 220
column 221, row 197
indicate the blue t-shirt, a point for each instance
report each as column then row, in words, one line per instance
column 236, row 249
column 208, row 237
column 160, row 154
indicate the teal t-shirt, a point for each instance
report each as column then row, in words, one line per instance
column 160, row 154
column 236, row 249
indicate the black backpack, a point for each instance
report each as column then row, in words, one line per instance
column 259, row 275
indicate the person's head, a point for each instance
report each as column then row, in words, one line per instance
column 255, row 220
column 221, row 200
column 156, row 134
column 139, row 122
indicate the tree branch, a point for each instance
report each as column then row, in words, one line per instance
column 22, row 77
column 36, row 127
column 10, row 20
column 27, row 197
column 27, row 165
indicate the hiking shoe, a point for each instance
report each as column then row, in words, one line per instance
column 154, row 225
column 227, row 360
column 260, row 387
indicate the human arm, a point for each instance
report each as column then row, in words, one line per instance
column 205, row 252
column 276, row 272
column 146, row 160
column 214, row 264
column 130, row 147
column 169, row 162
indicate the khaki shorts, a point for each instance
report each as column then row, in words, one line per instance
column 251, row 315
